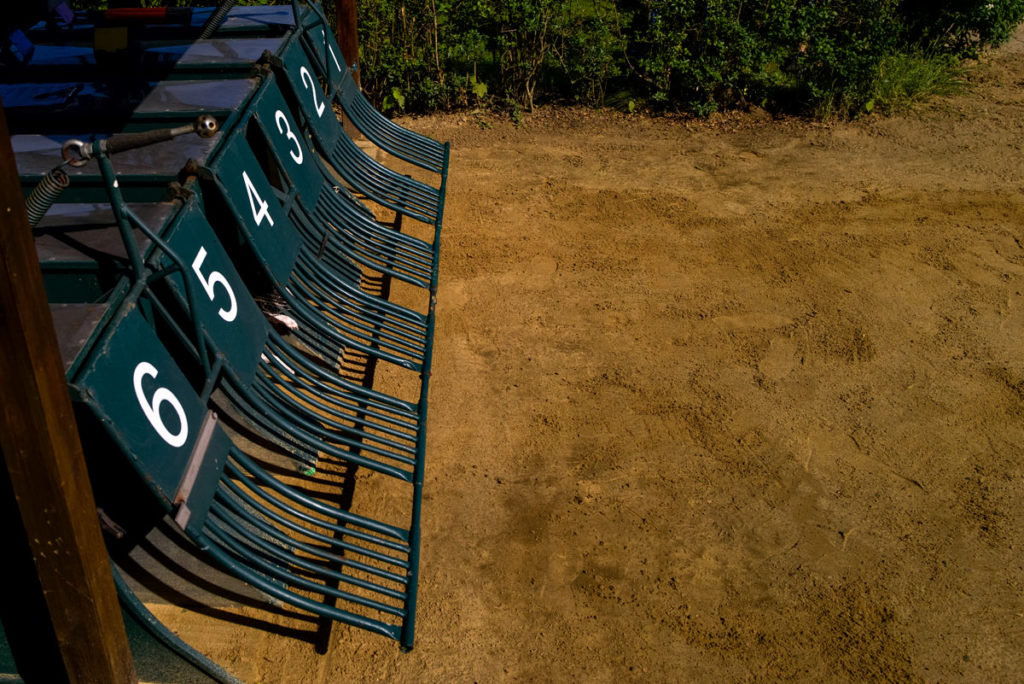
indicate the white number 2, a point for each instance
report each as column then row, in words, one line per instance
column 209, row 284
column 309, row 82
column 151, row 407
column 262, row 212
column 284, row 127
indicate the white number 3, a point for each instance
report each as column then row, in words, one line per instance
column 284, row 127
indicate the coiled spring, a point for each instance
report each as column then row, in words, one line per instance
column 215, row 20
column 45, row 194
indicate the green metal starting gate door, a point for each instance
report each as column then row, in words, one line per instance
column 205, row 272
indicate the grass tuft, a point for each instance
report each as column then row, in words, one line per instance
column 904, row 80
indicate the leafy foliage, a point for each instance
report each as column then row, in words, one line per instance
column 827, row 56
column 823, row 56
column 960, row 27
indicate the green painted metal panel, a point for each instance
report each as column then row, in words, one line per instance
column 283, row 133
column 224, row 307
column 136, row 388
column 308, row 94
column 252, row 199
column 8, row 669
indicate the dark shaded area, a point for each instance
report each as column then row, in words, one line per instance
column 30, row 646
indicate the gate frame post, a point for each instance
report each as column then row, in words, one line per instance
column 348, row 32
column 43, row 456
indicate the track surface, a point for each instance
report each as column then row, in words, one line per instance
column 726, row 400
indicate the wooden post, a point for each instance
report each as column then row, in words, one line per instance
column 348, row 34
column 43, row 456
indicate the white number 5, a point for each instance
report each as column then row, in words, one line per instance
column 151, row 407
column 216, row 277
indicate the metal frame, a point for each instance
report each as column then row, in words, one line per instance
column 323, row 244
column 251, row 523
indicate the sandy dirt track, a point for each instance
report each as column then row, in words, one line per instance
column 717, row 401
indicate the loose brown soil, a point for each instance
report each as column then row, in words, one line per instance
column 716, row 401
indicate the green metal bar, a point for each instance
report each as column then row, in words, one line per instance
column 409, row 627
column 276, row 533
column 212, row 544
column 331, row 383
column 117, row 204
column 131, row 603
column 276, row 552
column 323, row 406
column 217, row 547
column 323, row 509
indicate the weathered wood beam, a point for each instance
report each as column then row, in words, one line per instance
column 43, row 456
column 348, row 34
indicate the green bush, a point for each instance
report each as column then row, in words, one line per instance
column 846, row 41
column 959, row 27
column 819, row 56
column 823, row 56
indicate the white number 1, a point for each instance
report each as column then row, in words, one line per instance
column 330, row 50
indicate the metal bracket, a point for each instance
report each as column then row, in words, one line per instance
column 177, row 191
column 195, row 460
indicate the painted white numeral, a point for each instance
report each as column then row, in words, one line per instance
column 210, row 283
column 260, row 209
column 151, row 407
column 330, row 50
column 284, row 127
column 309, row 82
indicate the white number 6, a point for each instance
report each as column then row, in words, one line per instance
column 151, row 407
column 209, row 283
column 309, row 82
column 284, row 127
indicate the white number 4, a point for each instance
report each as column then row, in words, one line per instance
column 260, row 209
column 216, row 277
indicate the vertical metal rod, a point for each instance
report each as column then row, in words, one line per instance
column 125, row 221
column 409, row 628
column 117, row 205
